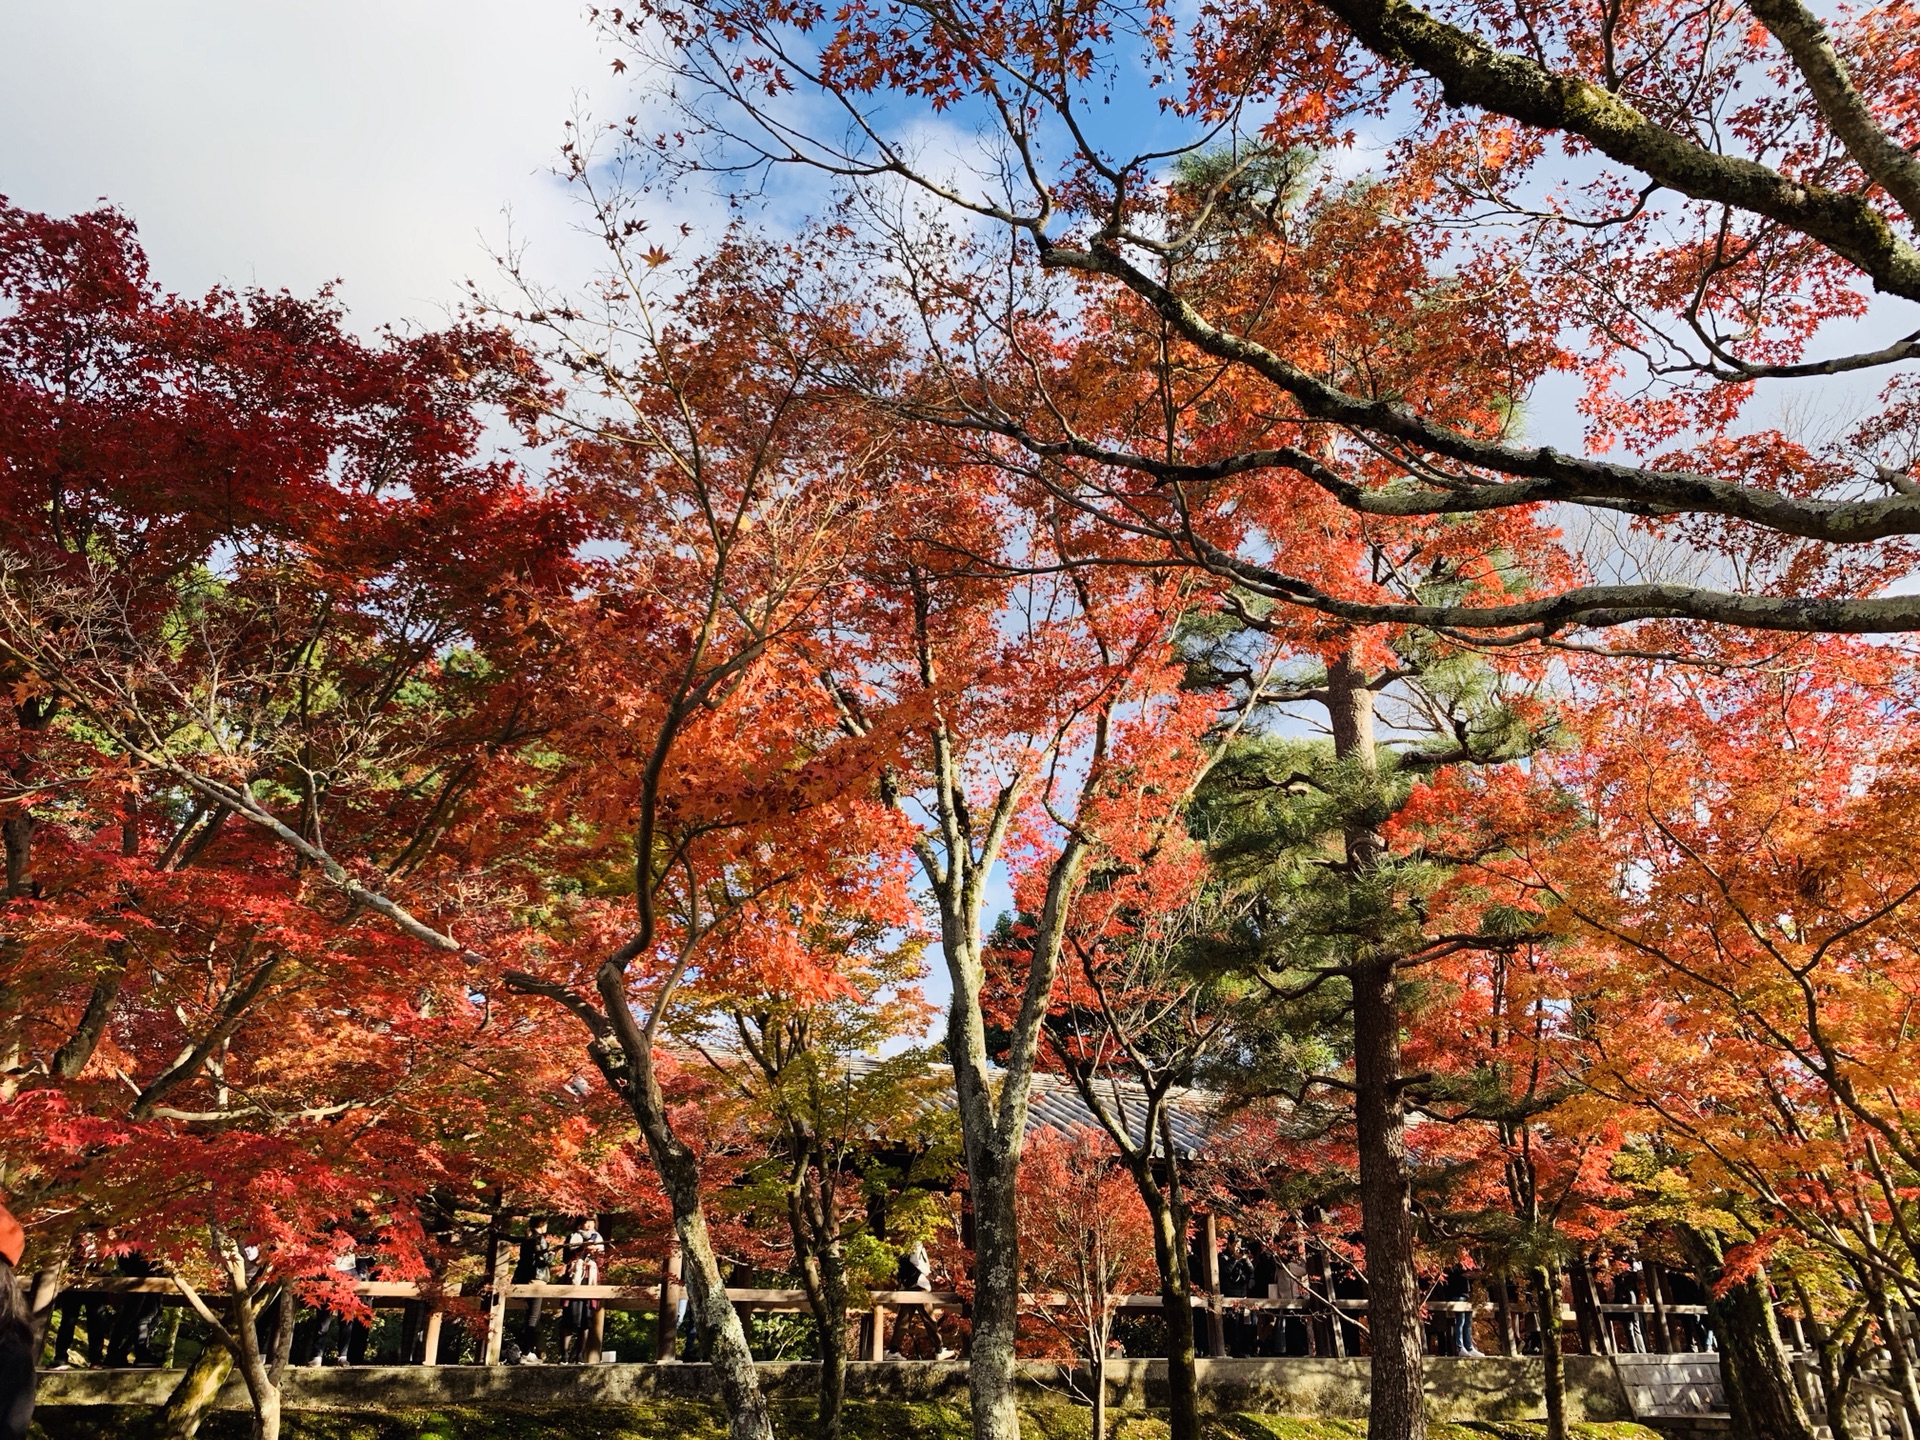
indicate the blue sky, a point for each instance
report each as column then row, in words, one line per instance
column 378, row 142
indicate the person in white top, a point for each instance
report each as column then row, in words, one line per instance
column 585, row 1246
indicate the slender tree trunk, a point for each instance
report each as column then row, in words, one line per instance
column 16, row 831
column 286, row 1311
column 1838, row 1363
column 194, row 1394
column 679, row 1171
column 1099, row 1368
column 993, row 1132
column 823, row 1273
column 1397, row 1410
column 731, row 1355
column 1176, row 1312
column 252, row 1365
column 993, row 1110
column 1546, row 1300
column 832, row 1322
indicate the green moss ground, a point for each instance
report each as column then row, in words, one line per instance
column 691, row 1420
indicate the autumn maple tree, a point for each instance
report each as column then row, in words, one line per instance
column 1088, row 1244
column 254, row 568
column 851, row 1145
column 1674, row 207
column 717, row 806
column 1748, row 907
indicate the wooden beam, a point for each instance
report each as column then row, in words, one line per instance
column 666, row 1337
column 1210, row 1273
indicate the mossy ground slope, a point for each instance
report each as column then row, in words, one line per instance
column 692, row 1420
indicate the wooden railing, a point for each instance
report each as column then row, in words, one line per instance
column 663, row 1300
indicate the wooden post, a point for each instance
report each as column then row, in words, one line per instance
column 1662, row 1331
column 499, row 1277
column 877, row 1346
column 597, row 1335
column 497, row 1314
column 1502, row 1313
column 1210, row 1246
column 1323, row 1330
column 666, row 1341
column 1584, row 1285
column 430, row 1347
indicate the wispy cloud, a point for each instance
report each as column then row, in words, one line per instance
column 281, row 143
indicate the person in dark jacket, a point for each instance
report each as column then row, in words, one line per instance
column 17, row 1346
column 130, row 1342
column 1236, row 1280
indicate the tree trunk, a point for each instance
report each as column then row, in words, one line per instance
column 18, row 833
column 266, row 1414
column 679, row 1171
column 1397, row 1409
column 824, row 1273
column 1838, row 1364
column 833, row 1371
column 1553, row 1370
column 286, row 1312
column 1099, row 1368
column 195, row 1393
column 1762, row 1399
column 996, row 1294
column 1176, row 1312
column 261, row 1389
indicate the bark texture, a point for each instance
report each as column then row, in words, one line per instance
column 679, row 1169
column 1762, row 1399
column 1397, row 1410
column 1176, row 1310
column 194, row 1394
column 1546, row 1301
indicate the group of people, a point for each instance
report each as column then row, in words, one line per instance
column 551, row 1257
column 1313, row 1323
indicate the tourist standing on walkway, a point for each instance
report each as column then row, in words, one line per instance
column 17, row 1346
column 534, row 1267
column 584, row 1248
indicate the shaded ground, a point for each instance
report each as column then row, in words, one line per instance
column 692, row 1420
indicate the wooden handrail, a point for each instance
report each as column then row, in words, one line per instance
column 649, row 1295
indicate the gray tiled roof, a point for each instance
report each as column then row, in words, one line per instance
column 1054, row 1104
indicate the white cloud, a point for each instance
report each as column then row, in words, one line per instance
column 287, row 144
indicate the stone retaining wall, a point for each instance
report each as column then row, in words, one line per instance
column 1483, row 1389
